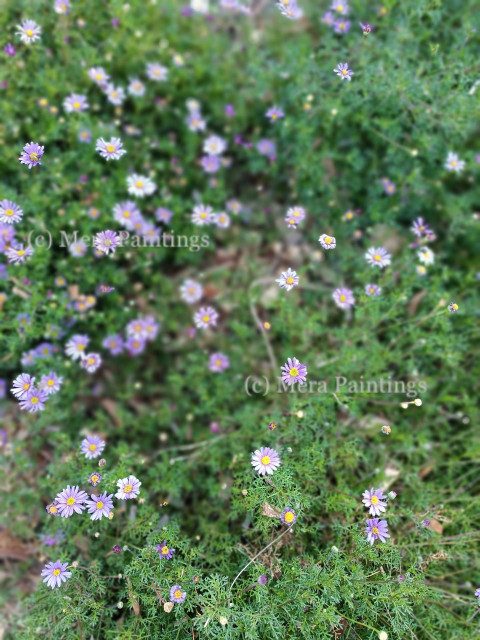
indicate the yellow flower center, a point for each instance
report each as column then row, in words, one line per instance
column 265, row 460
column 344, row 72
column 29, row 33
column 293, row 372
column 165, row 551
column 99, row 76
column 267, row 325
column 94, row 478
column 327, row 240
column 9, row 212
column 50, row 383
column 340, row 8
column 127, row 488
column 288, row 516
column 56, row 572
column 53, row 509
column 92, row 447
column 110, row 148
column 34, row 157
column 91, row 361
column 374, row 500
column 289, row 280
column 34, row 400
column 377, row 257
column 71, row 501
column 343, row 298
column 76, row 105
column 139, row 184
column 26, row 386
column 375, row 530
column 178, row 594
column 218, row 363
column 108, row 243
column 390, row 188
column 206, row 318
column 455, row 306
column 126, row 214
column 342, row 25
column 80, row 347
column 453, row 163
column 100, row 504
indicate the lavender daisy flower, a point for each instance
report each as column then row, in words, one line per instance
column 390, row 187
column 31, row 154
column 128, row 488
column 115, row 95
column 341, row 6
column 453, row 307
column 127, row 213
column 420, row 228
column 50, row 383
column 163, row 215
column 373, row 499
column 218, row 362
column 75, row 102
column 50, row 541
column 191, row 291
column 288, row 280
column 293, row 371
column 156, row 72
column 290, row 9
column 84, row 135
column 202, row 215
column 267, row 148
column 106, row 241
column 28, row 358
column 205, row 317
column 62, row 7
column 76, row 346
column 327, row 242
column 343, row 298
column 164, row 551
column 372, row 290
column 136, row 328
column 105, row 288
column 453, row 163
column 328, row 18
column 71, row 500
column 265, row 461
column 210, row 164
column 98, row 75
column 222, row 220
column 234, row 206
column 22, row 385
column 140, row 186
column 135, row 346
column 477, row 593
column 94, row 478
column 53, row 510
column 34, row 401
column 378, row 257
column 29, row 31
column 100, row 506
column 341, row 26
column 55, row 573
column 9, row 49
column 110, row 149
column 377, row 530
column 214, row 145
column 195, row 122
column 92, row 447
column 136, row 88
column 151, row 328
column 426, row 256
column 177, row 595
column 288, row 517
column 91, row 362
column 343, row 71
column 114, row 344
column 274, row 113
column 10, row 212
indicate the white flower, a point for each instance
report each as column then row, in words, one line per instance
column 140, row 185
column 110, row 149
column 453, row 163
column 214, row 145
column 426, row 256
column 288, row 280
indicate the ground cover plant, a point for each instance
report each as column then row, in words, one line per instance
column 239, row 320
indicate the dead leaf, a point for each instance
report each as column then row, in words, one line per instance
column 110, row 407
column 13, row 548
column 436, row 526
column 415, row 301
column 424, row 471
column 269, row 511
column 74, row 291
column 133, row 600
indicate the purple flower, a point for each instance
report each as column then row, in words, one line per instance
column 91, row 362
column 341, row 6
column 22, row 385
column 107, row 241
column 53, row 510
column 218, row 362
column 328, row 18
column 114, row 344
column 274, row 113
column 377, row 530
column 390, row 187
column 98, row 75
column 18, row 254
column 378, row 257
column 327, row 242
column 61, row 7
column 341, row 26
column 191, row 291
column 70, row 500
column 100, row 506
column 214, row 145
column 50, row 383
column 110, row 149
column 164, row 551
column 343, row 298
column 426, row 523
column 205, row 317
column 366, row 28
column 34, row 401
column 210, row 164
column 136, row 328
column 163, row 215
column 10, row 212
column 373, row 499
column 177, row 595
column 94, row 478
column 115, row 95
column 290, row 9
column 29, row 31
column 55, row 573
column 9, row 49
column 76, row 346
column 116, row 549
column 477, row 593
column 265, row 461
column 135, row 345
column 75, row 102
column 151, row 328
column 372, row 290
column 202, row 215
column 343, row 71
column 420, row 228
column 229, row 110
column 105, row 288
column 266, row 148
column 262, row 580
column 294, row 216
column 92, row 447
column 50, row 541
column 288, row 516
column 293, row 371
column 31, row 154
column 156, row 72
column 128, row 488
column 288, row 280
column 453, row 163
column 136, row 88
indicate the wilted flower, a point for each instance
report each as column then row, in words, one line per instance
column 55, row 573
column 386, row 430
column 265, row 460
column 293, row 371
